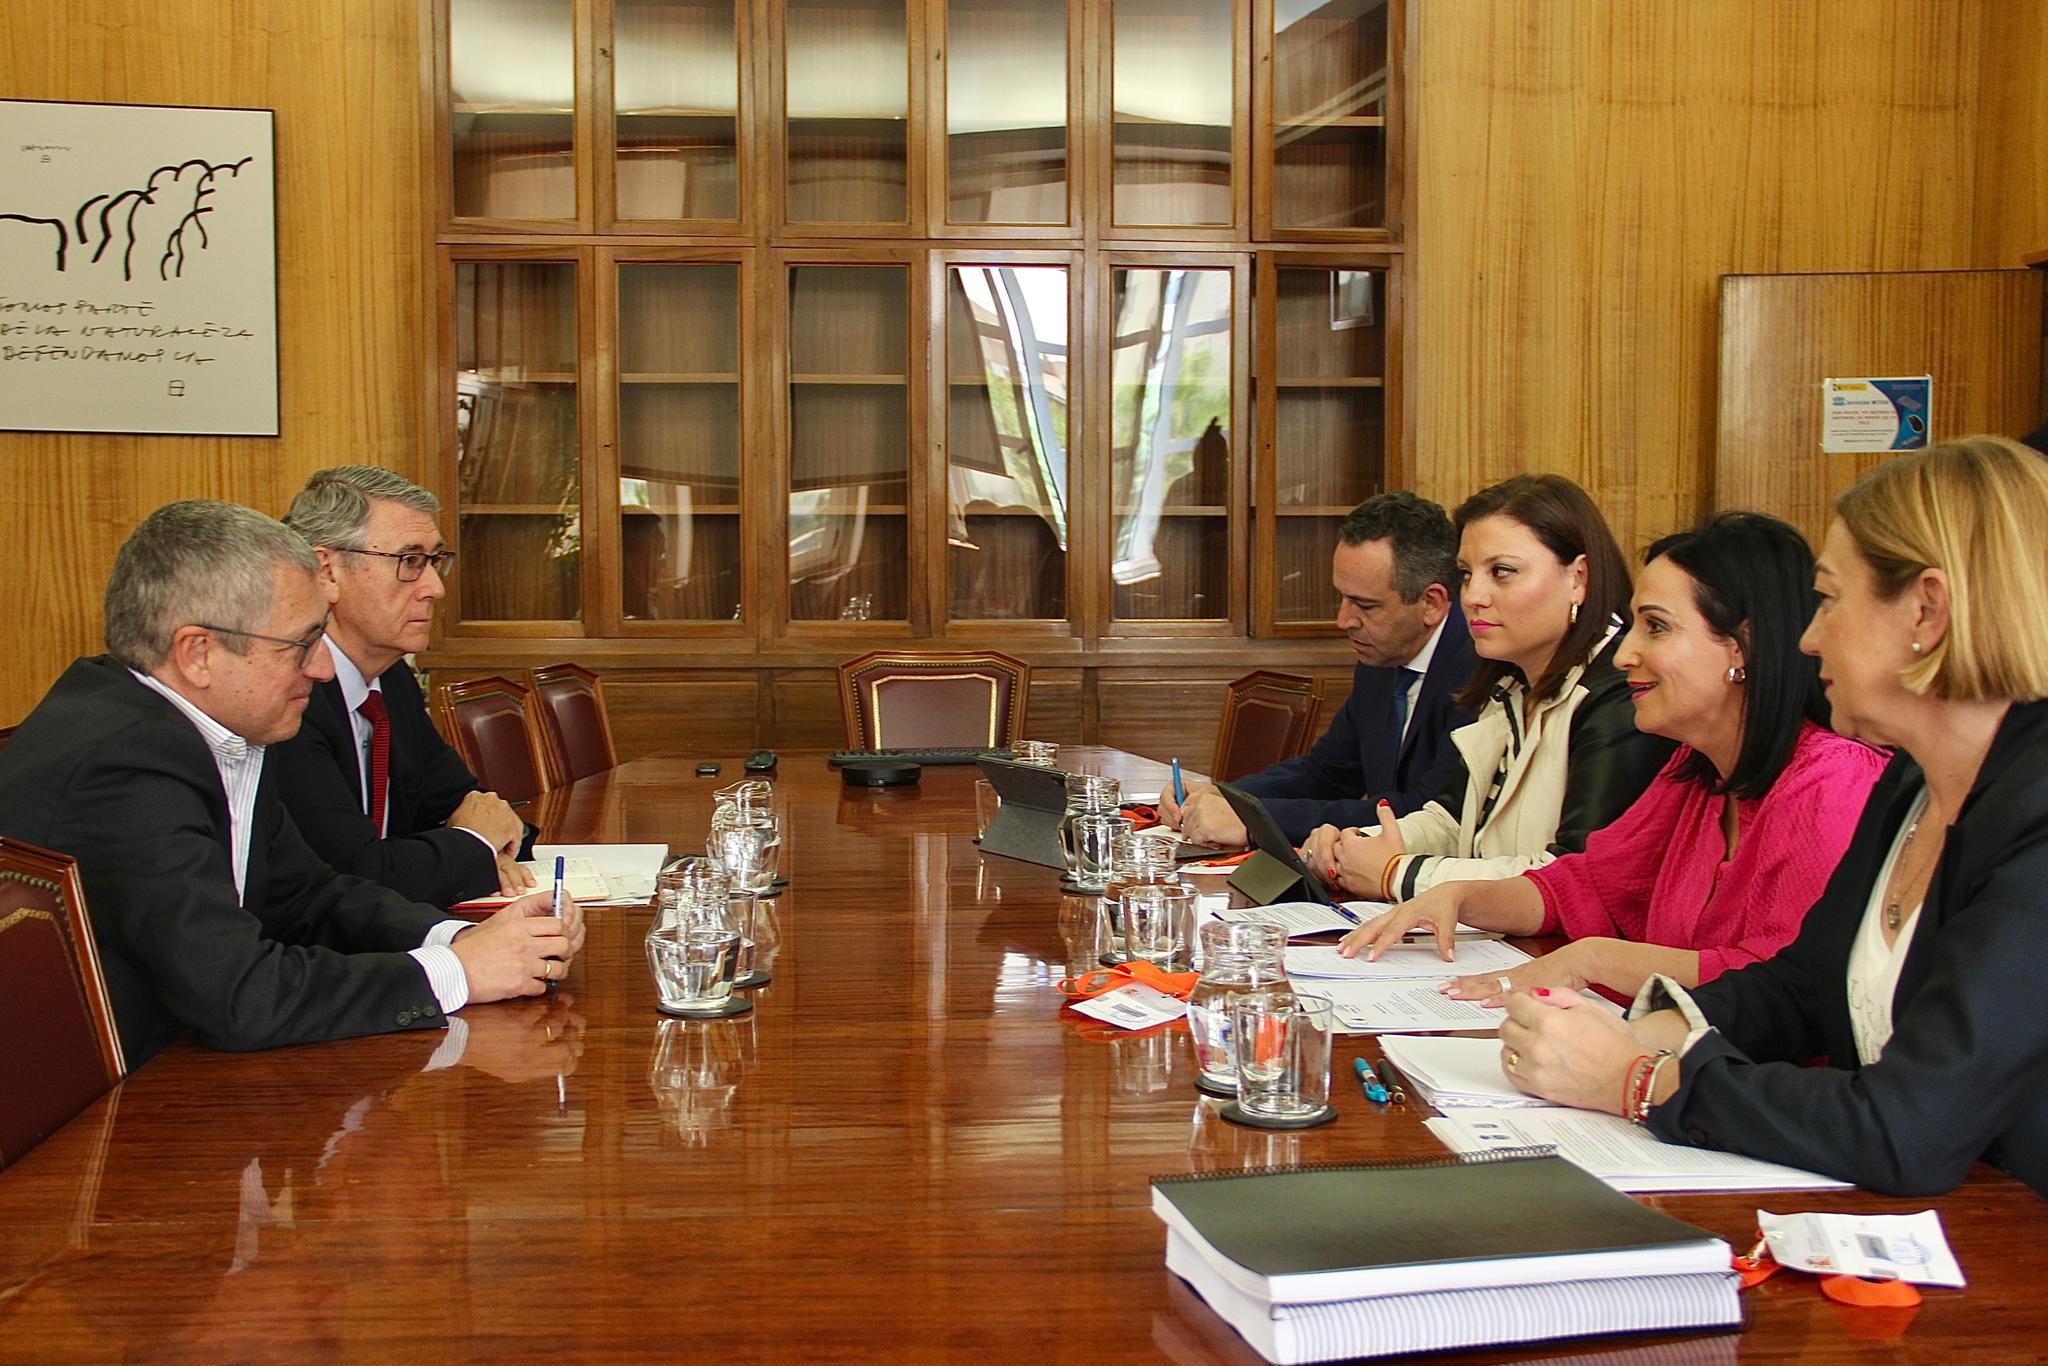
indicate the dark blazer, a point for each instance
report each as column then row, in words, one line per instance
column 111, row 773
column 1965, row 1075
column 1343, row 778
column 319, row 778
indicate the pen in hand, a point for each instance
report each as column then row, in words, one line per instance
column 1180, row 791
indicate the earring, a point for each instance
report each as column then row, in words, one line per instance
column 1918, row 647
column 1575, row 614
column 1737, row 674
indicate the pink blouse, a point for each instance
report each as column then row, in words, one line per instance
column 1658, row 875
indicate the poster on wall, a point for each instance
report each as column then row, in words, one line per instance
column 138, row 269
column 1870, row 414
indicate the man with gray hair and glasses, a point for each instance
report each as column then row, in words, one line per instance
column 147, row 764
column 374, row 788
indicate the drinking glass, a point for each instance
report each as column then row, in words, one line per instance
column 1265, row 944
column 1282, row 1042
column 1140, row 857
column 1159, row 923
column 694, row 968
column 736, row 911
column 748, row 850
column 1037, row 753
column 1089, row 841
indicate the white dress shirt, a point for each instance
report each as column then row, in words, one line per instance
column 1420, row 666
column 241, row 773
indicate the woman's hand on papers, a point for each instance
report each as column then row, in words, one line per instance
column 1436, row 910
column 1567, row 969
column 1567, row 1049
column 1358, row 858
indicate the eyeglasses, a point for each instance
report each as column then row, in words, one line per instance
column 411, row 563
column 304, row 647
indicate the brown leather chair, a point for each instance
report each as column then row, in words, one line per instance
column 6, row 734
column 1267, row 717
column 910, row 699
column 66, row 1052
column 491, row 723
column 573, row 722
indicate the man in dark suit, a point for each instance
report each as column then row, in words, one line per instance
column 1395, row 570
column 398, row 807
column 148, row 765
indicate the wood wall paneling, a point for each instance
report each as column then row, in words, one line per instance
column 1977, row 332
column 1584, row 175
column 344, row 80
column 1586, row 172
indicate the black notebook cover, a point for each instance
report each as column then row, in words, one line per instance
column 1338, row 1218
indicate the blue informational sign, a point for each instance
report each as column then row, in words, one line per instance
column 1876, row 414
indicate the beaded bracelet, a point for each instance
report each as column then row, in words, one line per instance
column 1643, row 1083
column 1628, row 1084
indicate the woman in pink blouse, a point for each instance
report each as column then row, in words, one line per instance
column 1715, row 864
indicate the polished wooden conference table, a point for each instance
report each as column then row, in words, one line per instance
column 907, row 1151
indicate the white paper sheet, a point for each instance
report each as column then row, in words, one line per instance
column 1136, row 1006
column 1399, row 1007
column 1886, row 1247
column 1622, row 1154
column 1404, row 962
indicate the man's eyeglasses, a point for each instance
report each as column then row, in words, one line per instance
column 303, row 647
column 411, row 563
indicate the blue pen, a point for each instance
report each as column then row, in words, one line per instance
column 1369, row 1080
column 1347, row 913
column 557, row 905
column 1180, row 791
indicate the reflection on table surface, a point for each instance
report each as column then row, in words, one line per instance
column 905, row 1151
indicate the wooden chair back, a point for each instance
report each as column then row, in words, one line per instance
column 909, row 699
column 492, row 725
column 67, row 1048
column 573, row 722
column 1267, row 717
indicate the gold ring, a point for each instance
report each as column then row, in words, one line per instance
column 1514, row 1060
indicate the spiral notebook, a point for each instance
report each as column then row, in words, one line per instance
column 1315, row 1263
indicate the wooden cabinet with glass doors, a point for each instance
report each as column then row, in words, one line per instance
column 789, row 323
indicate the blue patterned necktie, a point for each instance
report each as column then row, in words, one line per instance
column 1401, row 687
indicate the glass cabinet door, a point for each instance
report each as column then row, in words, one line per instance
column 676, row 100
column 849, row 442
column 1172, row 105
column 1006, row 441
column 679, row 441
column 512, row 108
column 1329, row 423
column 1329, row 114
column 516, row 449
column 1170, row 437
column 847, row 104
column 1006, row 111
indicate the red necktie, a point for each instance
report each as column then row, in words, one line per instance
column 380, row 755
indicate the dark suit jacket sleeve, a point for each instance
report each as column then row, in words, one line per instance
column 436, row 864
column 313, row 956
column 1968, row 1052
column 1611, row 764
column 1966, row 1056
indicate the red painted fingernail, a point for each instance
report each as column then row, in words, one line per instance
column 1542, row 991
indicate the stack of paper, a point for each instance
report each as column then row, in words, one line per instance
column 1315, row 1264
column 1454, row 1073
column 1624, row 1155
column 594, row 874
